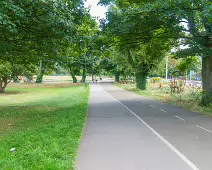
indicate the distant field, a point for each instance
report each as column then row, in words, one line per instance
column 62, row 79
column 43, row 123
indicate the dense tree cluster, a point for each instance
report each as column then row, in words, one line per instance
column 145, row 31
column 132, row 41
column 42, row 34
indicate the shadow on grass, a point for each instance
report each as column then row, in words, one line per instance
column 6, row 93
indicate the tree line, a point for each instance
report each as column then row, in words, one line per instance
column 143, row 32
column 36, row 36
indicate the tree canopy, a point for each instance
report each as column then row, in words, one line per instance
column 43, row 33
column 179, row 23
column 136, row 34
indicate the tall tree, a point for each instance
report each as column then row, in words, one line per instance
column 38, row 32
column 136, row 40
column 185, row 21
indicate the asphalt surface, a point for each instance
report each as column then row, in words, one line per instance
column 125, row 131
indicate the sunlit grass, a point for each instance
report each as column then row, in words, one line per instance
column 190, row 99
column 44, row 124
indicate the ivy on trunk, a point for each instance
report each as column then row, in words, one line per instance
column 73, row 77
column 142, row 68
column 41, row 74
column 141, row 79
column 117, row 74
column 73, row 72
column 207, row 80
column 83, row 76
column 15, row 79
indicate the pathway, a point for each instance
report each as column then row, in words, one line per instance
column 125, row 131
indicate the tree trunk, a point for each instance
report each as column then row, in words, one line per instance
column 116, row 73
column 3, row 84
column 73, row 74
column 207, row 80
column 117, row 76
column 83, row 76
column 2, row 90
column 15, row 79
column 73, row 77
column 141, row 79
column 39, row 78
column 92, row 71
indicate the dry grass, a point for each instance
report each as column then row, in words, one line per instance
column 190, row 99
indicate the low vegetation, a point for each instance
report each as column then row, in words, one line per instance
column 189, row 99
column 43, row 123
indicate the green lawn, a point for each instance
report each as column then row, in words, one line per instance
column 44, row 124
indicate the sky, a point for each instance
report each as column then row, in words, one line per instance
column 96, row 11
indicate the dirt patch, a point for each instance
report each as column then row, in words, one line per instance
column 12, row 93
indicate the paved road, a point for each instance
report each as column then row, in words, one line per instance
column 125, row 131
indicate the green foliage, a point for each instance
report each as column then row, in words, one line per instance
column 5, row 69
column 47, row 32
column 9, row 71
column 135, row 22
column 5, row 75
column 160, row 69
column 179, row 67
column 83, row 76
column 39, row 78
column 34, row 27
column 189, row 63
column 141, row 80
column 117, row 74
column 206, row 98
column 141, row 44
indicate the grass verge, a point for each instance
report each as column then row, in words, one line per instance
column 189, row 100
column 44, row 124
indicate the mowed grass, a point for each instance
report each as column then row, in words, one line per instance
column 44, row 123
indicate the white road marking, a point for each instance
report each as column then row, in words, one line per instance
column 204, row 129
column 152, row 106
column 143, row 102
column 180, row 118
column 184, row 158
column 162, row 110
